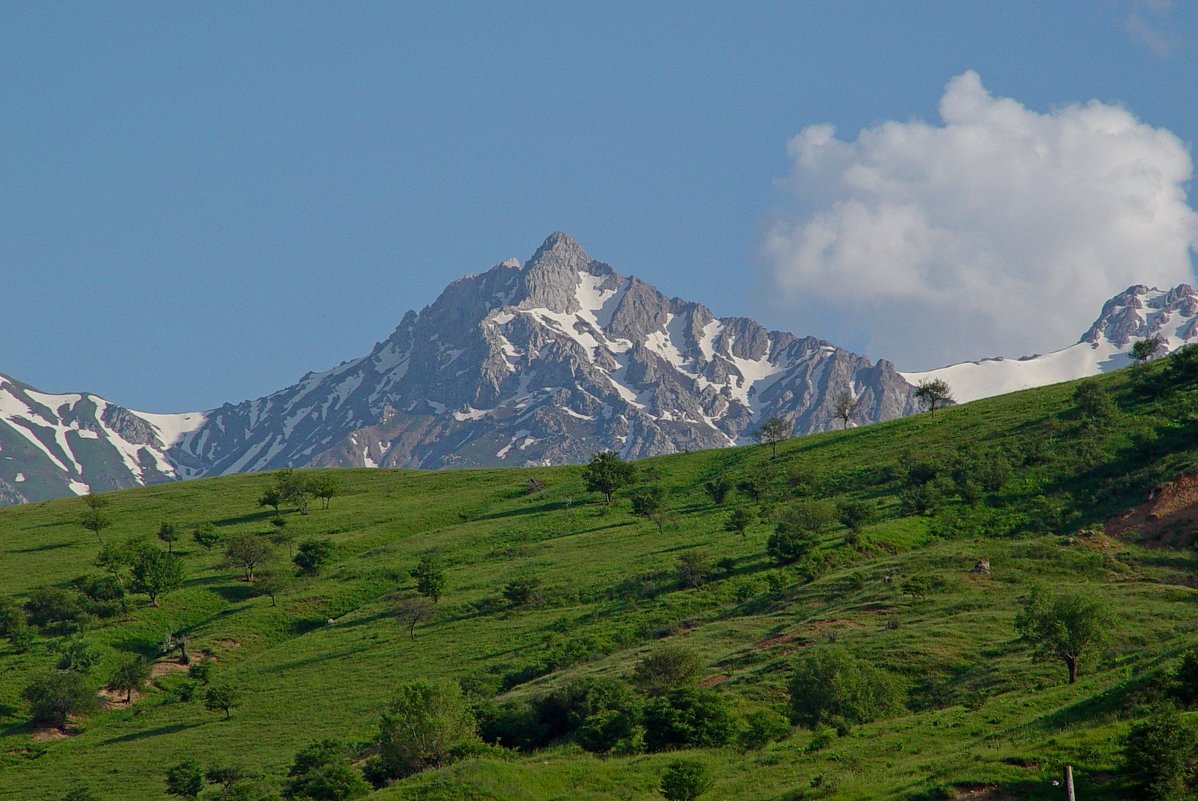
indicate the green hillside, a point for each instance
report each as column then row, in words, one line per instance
column 1026, row 481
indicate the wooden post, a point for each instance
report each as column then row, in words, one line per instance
column 1069, row 783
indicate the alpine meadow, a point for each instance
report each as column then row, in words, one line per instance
column 949, row 605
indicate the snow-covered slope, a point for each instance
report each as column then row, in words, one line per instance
column 52, row 445
column 1136, row 313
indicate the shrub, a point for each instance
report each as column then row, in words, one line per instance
column 763, row 727
column 185, row 780
column 669, row 667
column 685, row 780
column 609, row 730
column 77, row 654
column 832, row 686
column 1185, row 680
column 206, row 536
column 422, row 725
column 738, row 522
column 55, row 607
column 523, row 591
column 312, row 555
column 1160, row 756
column 688, row 717
column 322, row 772
column 855, row 514
column 430, row 577
column 512, row 724
column 718, row 490
column 53, row 696
column 694, row 568
column 104, row 596
column 568, row 708
column 220, row 698
column 13, row 624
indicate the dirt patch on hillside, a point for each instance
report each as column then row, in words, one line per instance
column 163, row 668
column 115, row 699
column 712, row 681
column 45, row 734
column 228, row 643
column 806, row 634
column 1168, row 518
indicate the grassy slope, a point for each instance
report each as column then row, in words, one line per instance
column 987, row 713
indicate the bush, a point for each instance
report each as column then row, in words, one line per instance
column 568, row 709
column 185, row 780
column 13, row 624
column 206, row 536
column 763, row 727
column 322, row 772
column 832, row 686
column 694, row 568
column 669, row 667
column 104, row 596
column 786, row 545
column 524, row 591
column 51, row 607
column 1185, row 680
column 1160, row 756
column 512, row 724
column 54, row 696
column 688, row 717
column 685, row 780
column 609, row 730
column 312, row 555
column 718, row 490
column 422, row 725
column 855, row 514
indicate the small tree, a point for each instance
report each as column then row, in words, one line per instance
column 648, row 503
column 666, row 668
column 312, row 555
column 77, row 655
column 221, row 698
column 774, row 430
column 685, row 780
column 206, row 536
column 325, row 486
column 933, row 392
column 1160, row 756
column 185, row 780
column 168, row 534
column 1093, row 402
column 130, row 675
column 694, row 568
column 1065, row 625
column 55, row 695
column 295, row 488
column 95, row 519
column 739, row 521
column 844, row 406
column 607, row 473
column 322, row 772
column 855, row 514
column 717, row 489
column 14, row 625
column 1143, row 350
column 272, row 498
column 422, row 726
column 412, row 610
column 688, row 717
column 272, row 583
column 156, row 573
column 523, row 591
column 247, row 551
column 797, row 529
column 431, row 580
column 832, row 686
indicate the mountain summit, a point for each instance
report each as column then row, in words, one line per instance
column 541, row 363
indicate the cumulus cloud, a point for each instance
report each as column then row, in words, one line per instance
column 1000, row 231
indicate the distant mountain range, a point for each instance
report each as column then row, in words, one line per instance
column 541, row 363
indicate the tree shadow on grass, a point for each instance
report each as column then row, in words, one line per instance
column 173, row 728
column 234, row 593
column 138, row 645
column 247, row 518
column 50, row 546
column 311, row 660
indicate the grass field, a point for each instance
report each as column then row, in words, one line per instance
column 323, row 662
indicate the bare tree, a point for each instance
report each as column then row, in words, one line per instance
column 413, row 609
column 773, row 431
column 934, row 392
column 844, row 405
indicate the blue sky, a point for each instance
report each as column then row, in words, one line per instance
column 201, row 202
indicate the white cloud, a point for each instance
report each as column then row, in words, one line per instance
column 1144, row 33
column 1000, row 231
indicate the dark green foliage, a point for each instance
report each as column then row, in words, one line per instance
column 1065, row 625
column 612, row 730
column 921, row 499
column 694, row 568
column 422, row 726
column 797, row 529
column 77, row 654
column 247, row 551
column 130, row 675
column 14, row 625
column 854, row 515
column 53, row 696
column 647, row 501
column 326, row 486
column 50, row 607
column 221, row 698
column 185, row 779
column 1093, row 402
column 1185, row 680
column 568, row 708
column 832, row 686
column 81, row 792
column 1160, row 757
column 688, row 717
column 762, row 727
column 431, row 580
column 523, row 591
column 512, row 724
column 103, row 596
column 738, row 522
column 773, row 431
column 272, row 498
column 168, row 534
column 753, row 488
column 201, row 671
column 294, row 487
column 607, row 473
column 685, row 780
column 667, row 668
column 322, row 772
column 156, row 573
column 206, row 536
column 312, row 555
column 718, row 489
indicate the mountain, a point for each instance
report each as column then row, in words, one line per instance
column 545, row 363
column 1136, row 313
column 52, row 445
column 535, row 364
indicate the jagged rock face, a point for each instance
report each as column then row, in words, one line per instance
column 545, row 364
column 1140, row 312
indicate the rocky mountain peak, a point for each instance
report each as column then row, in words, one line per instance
column 1141, row 311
